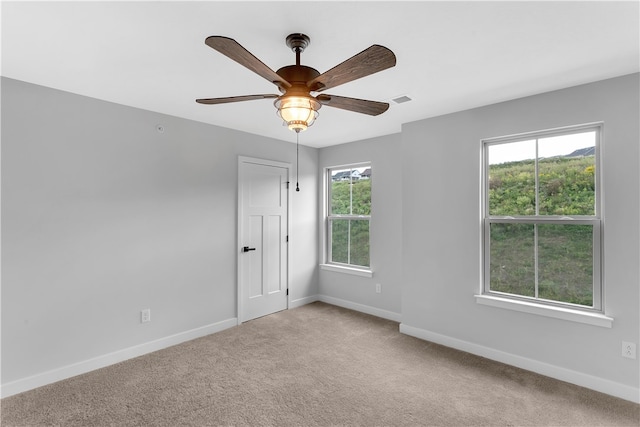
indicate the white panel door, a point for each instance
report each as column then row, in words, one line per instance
column 263, row 221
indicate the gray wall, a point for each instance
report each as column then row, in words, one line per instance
column 103, row 216
column 385, row 229
column 441, row 238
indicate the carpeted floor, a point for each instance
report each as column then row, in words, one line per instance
column 317, row 365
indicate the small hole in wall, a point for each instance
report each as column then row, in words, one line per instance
column 160, row 128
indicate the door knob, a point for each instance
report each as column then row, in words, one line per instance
column 247, row 249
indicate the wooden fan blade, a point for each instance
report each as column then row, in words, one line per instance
column 369, row 61
column 242, row 56
column 228, row 99
column 372, row 108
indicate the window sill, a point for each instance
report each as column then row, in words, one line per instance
column 347, row 270
column 595, row 319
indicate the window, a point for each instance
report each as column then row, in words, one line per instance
column 542, row 224
column 348, row 215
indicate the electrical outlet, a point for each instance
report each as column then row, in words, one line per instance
column 378, row 288
column 145, row 315
column 628, row 350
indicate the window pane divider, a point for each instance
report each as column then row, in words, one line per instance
column 543, row 220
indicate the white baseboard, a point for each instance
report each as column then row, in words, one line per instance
column 303, row 301
column 389, row 315
column 54, row 375
column 578, row 378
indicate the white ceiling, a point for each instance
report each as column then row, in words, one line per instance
column 451, row 56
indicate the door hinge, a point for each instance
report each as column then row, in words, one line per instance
column 287, row 291
column 287, row 239
column 287, row 184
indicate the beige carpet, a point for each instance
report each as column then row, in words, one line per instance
column 314, row 365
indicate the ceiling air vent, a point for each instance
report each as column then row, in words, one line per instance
column 401, row 99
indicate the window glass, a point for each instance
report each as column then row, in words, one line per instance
column 340, row 192
column 512, row 259
column 359, row 244
column 565, row 263
column 340, row 241
column 512, row 178
column 566, row 173
column 349, row 213
column 541, row 223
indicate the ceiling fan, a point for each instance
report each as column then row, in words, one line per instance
column 297, row 106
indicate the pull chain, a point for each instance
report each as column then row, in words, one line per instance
column 297, row 159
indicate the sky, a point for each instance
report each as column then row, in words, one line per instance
column 547, row 147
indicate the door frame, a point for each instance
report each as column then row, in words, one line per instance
column 263, row 162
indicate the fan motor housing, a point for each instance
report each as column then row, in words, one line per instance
column 297, row 75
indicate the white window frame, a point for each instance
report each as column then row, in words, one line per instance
column 591, row 315
column 328, row 217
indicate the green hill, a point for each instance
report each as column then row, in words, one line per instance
column 566, row 187
column 564, row 252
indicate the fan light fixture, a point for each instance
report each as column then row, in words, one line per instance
column 297, row 112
